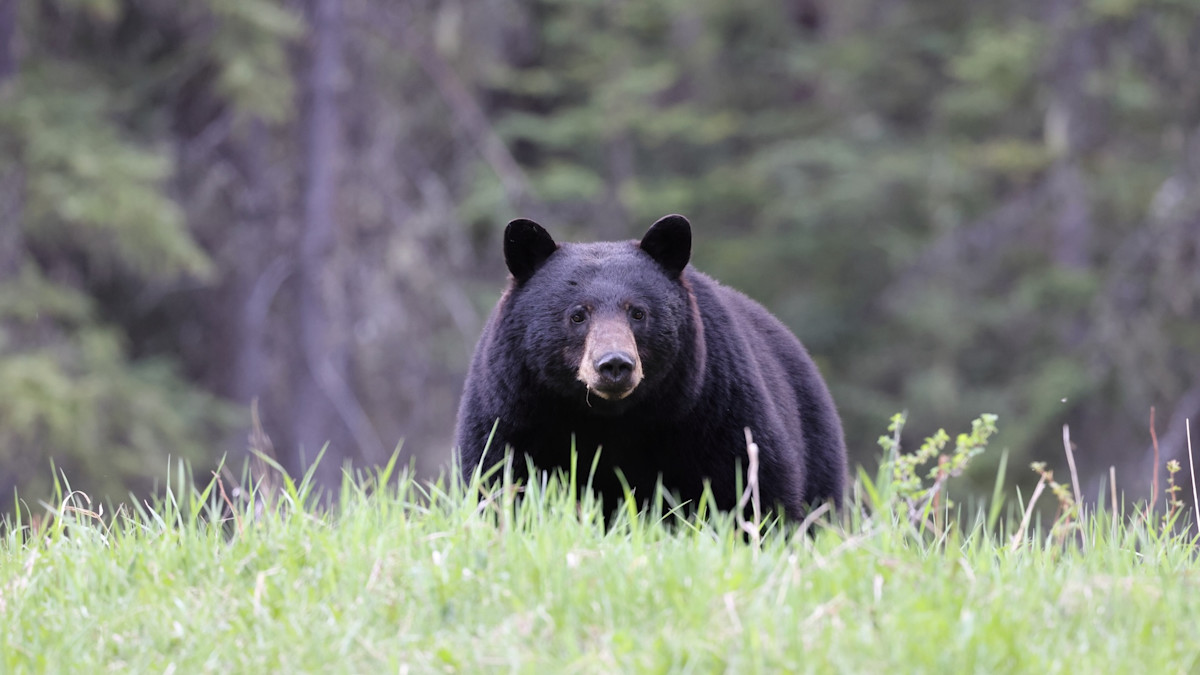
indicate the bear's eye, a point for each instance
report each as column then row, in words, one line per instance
column 579, row 315
column 637, row 314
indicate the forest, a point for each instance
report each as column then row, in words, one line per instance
column 295, row 208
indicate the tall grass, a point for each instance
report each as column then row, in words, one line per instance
column 403, row 576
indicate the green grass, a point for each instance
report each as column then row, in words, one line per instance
column 412, row 578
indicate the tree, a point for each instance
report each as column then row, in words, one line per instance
column 97, row 242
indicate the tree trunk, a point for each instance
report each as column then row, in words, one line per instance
column 8, row 33
column 259, row 271
column 11, row 217
column 325, row 406
column 1072, row 128
column 12, row 244
column 311, row 407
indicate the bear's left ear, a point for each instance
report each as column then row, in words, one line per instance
column 526, row 247
column 669, row 242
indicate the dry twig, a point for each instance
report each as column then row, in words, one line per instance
column 1192, row 467
column 1154, row 474
column 751, row 495
column 1067, row 445
column 1020, row 535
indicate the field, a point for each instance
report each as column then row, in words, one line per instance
column 400, row 576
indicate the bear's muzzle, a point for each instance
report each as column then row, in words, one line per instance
column 610, row 366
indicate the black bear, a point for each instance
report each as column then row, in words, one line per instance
column 624, row 348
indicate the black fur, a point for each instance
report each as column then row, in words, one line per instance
column 714, row 362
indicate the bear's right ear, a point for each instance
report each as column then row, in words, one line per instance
column 526, row 247
column 669, row 242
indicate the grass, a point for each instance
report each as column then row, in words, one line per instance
column 406, row 577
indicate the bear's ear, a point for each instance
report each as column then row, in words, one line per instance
column 669, row 242
column 526, row 247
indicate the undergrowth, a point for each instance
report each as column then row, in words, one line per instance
column 263, row 572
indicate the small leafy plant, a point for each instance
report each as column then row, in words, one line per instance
column 1068, row 510
column 902, row 486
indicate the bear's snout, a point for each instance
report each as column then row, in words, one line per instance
column 610, row 367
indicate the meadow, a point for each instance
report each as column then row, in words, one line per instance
column 402, row 576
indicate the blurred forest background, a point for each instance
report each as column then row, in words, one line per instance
column 960, row 207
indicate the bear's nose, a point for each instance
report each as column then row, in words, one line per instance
column 615, row 368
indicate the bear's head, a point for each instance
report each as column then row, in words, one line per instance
column 601, row 323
